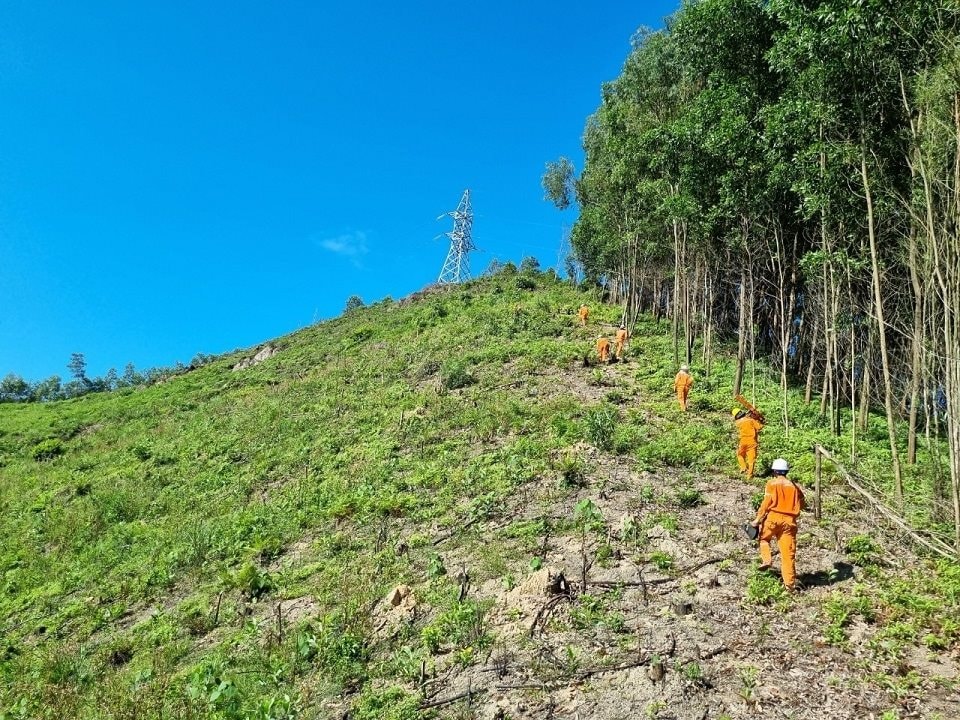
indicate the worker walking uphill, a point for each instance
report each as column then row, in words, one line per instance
column 583, row 313
column 777, row 518
column 621, row 341
column 682, row 384
column 603, row 349
column 749, row 427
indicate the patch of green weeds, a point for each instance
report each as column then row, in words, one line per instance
column 689, row 497
column 840, row 610
column 662, row 561
column 863, row 550
column 250, row 580
column 455, row 375
column 47, row 449
column 462, row 625
column 600, row 424
column 435, row 567
column 571, row 469
column 764, row 588
column 667, row 520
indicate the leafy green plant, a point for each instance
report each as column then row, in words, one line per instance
column 600, row 424
column 763, row 588
column 213, row 685
column 663, row 561
column 435, row 566
column 667, row 520
column 572, row 469
column 250, row 580
column 455, row 375
column 693, row 672
column 47, row 449
column 689, row 497
column 463, row 625
column 863, row 550
column 749, row 678
column 587, row 515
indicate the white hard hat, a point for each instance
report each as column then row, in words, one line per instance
column 684, row 367
column 780, row 465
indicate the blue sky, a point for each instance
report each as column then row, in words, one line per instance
column 193, row 177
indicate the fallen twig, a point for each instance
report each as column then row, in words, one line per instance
column 546, row 608
column 468, row 693
column 641, row 583
column 713, row 653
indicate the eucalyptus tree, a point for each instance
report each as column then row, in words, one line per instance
column 723, row 46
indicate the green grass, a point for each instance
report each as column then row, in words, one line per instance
column 149, row 535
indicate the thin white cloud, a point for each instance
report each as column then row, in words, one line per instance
column 351, row 245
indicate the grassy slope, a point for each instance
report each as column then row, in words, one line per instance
column 143, row 566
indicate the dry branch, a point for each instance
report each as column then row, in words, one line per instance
column 468, row 693
column 933, row 545
column 641, row 583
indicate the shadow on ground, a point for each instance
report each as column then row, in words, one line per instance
column 841, row 571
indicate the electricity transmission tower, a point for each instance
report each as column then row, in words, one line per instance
column 456, row 268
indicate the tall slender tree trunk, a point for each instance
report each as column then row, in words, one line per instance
column 864, row 419
column 742, row 334
column 677, row 260
column 916, row 348
column 814, row 338
column 882, row 331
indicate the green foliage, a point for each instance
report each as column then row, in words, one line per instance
column 689, row 497
column 354, row 302
column 47, row 449
column 558, row 183
column 862, row 550
column 318, row 482
column 600, row 424
column 592, row 611
column 462, row 626
column 393, row 703
column 435, row 566
column 764, row 588
column 525, row 282
column 663, row 561
column 571, row 468
column 587, row 516
column 841, row 609
column 455, row 375
column 250, row 580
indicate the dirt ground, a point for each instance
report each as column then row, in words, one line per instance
column 687, row 642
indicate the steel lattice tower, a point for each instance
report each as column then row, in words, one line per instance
column 456, row 268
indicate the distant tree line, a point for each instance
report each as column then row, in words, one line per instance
column 786, row 174
column 14, row 388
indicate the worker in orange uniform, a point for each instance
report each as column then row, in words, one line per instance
column 583, row 313
column 621, row 341
column 777, row 518
column 603, row 349
column 682, row 384
column 749, row 427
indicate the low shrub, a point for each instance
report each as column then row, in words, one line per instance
column 47, row 450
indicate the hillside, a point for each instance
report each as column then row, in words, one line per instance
column 367, row 525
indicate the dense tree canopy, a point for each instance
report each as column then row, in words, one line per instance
column 785, row 174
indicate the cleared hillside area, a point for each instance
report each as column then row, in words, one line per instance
column 433, row 508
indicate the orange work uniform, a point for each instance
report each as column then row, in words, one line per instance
column 603, row 349
column 782, row 502
column 748, row 427
column 621, row 341
column 682, row 384
column 583, row 313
